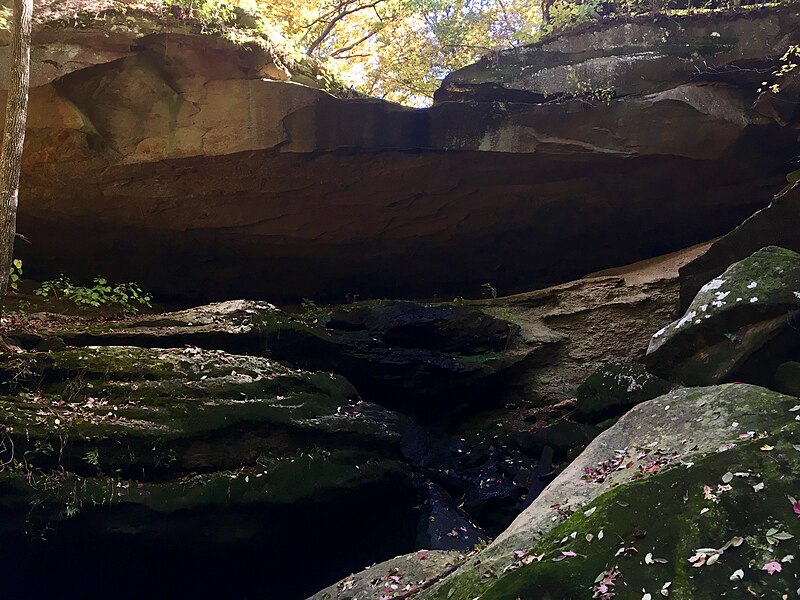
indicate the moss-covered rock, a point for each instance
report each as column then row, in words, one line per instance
column 685, row 531
column 654, row 462
column 616, row 387
column 392, row 577
column 150, row 412
column 787, row 378
column 739, row 323
column 401, row 354
column 195, row 459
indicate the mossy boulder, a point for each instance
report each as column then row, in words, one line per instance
column 132, row 458
column 150, row 412
column 641, row 483
column 426, row 359
column 613, row 388
column 400, row 354
column 787, row 378
column 741, row 325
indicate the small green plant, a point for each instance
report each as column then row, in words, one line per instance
column 313, row 314
column 585, row 91
column 92, row 457
column 16, row 274
column 489, row 290
column 72, row 507
column 127, row 295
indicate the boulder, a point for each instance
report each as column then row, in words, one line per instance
column 738, row 325
column 787, row 378
column 562, row 436
column 614, row 388
column 428, row 359
column 167, row 158
column 713, row 465
column 444, row 526
column 147, row 412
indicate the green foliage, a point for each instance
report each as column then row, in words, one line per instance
column 92, row 457
column 584, row 90
column 16, row 274
column 127, row 295
column 214, row 13
column 313, row 314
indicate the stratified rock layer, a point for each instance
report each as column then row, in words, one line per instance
column 169, row 159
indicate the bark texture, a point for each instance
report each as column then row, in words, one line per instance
column 14, row 134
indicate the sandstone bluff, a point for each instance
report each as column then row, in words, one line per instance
column 616, row 418
column 181, row 150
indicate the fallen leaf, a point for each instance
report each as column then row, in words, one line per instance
column 767, row 448
column 772, row 567
column 738, row 575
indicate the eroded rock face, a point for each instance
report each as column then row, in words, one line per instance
column 169, row 159
column 424, row 359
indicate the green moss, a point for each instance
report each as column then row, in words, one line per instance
column 661, row 515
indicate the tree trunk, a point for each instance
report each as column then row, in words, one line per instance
column 14, row 134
